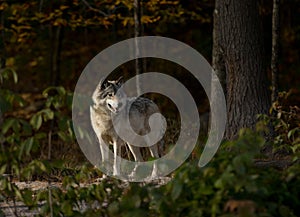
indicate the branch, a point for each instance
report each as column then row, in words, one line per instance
column 94, row 9
column 277, row 164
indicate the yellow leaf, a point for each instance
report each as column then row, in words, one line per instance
column 10, row 62
column 63, row 7
column 126, row 21
column 33, row 63
column 148, row 19
column 3, row 6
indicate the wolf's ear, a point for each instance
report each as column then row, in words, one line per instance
column 101, row 85
column 120, row 81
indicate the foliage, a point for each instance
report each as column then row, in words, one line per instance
column 22, row 137
column 230, row 185
column 29, row 29
column 285, row 121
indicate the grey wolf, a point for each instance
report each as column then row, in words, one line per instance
column 109, row 98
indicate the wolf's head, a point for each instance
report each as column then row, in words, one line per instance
column 110, row 95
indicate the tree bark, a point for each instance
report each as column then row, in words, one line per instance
column 218, row 63
column 275, row 49
column 240, row 47
column 55, row 52
column 2, row 44
column 137, row 33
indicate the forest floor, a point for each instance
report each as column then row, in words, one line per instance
column 12, row 208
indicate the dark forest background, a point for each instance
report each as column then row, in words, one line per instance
column 44, row 47
column 50, row 42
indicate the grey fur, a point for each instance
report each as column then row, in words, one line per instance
column 106, row 102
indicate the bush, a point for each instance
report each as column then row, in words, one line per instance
column 230, row 185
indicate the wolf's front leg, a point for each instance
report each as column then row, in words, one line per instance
column 104, row 152
column 116, row 167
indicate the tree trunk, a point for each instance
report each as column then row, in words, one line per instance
column 275, row 49
column 240, row 47
column 137, row 33
column 218, row 63
column 2, row 44
column 55, row 52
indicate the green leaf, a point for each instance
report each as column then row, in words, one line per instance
column 69, row 100
column 36, row 121
column 17, row 192
column 219, row 183
column 48, row 114
column 63, row 136
column 37, row 164
column 66, row 208
column 295, row 147
column 27, row 129
column 27, row 197
column 26, row 146
column 29, row 144
column 8, row 123
column 292, row 132
column 63, row 123
column 238, row 164
column 176, row 190
column 15, row 76
column 60, row 90
column 4, row 75
column 42, row 166
column 3, row 169
column 40, row 136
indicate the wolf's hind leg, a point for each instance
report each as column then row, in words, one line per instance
column 136, row 152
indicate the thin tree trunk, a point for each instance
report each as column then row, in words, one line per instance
column 137, row 33
column 218, row 65
column 2, row 44
column 41, row 5
column 240, row 46
column 56, row 43
column 218, row 62
column 275, row 49
column 142, row 32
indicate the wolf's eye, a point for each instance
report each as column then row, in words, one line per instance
column 102, row 96
column 110, row 94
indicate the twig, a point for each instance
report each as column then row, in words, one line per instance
column 49, row 158
column 278, row 164
column 50, row 200
column 49, row 144
column 94, row 9
column 15, row 207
